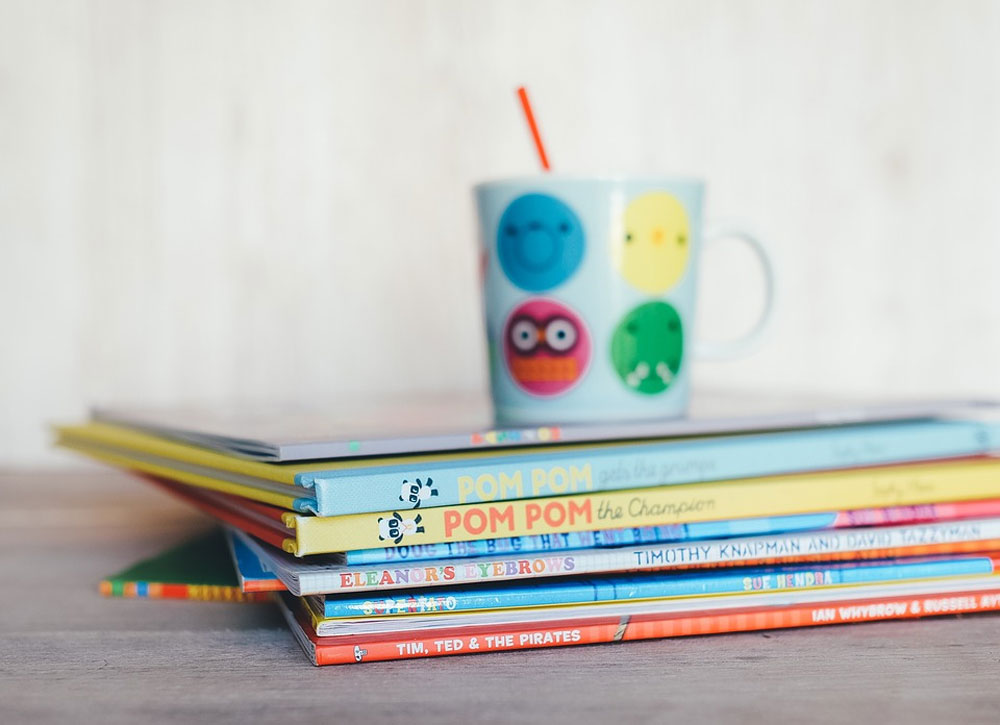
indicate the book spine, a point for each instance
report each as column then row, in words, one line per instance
column 161, row 590
column 977, row 535
column 448, row 483
column 255, row 586
column 918, row 514
column 653, row 586
column 339, row 650
column 664, row 505
column 678, row 532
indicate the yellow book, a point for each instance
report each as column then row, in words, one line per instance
column 291, row 485
column 662, row 505
column 363, row 485
column 284, row 496
column 117, row 437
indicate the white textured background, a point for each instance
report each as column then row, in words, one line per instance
column 271, row 200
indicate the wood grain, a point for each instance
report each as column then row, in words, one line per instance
column 67, row 655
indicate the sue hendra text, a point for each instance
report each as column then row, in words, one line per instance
column 535, row 483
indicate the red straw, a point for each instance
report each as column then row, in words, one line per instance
column 526, row 105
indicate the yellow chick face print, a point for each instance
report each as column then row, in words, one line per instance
column 652, row 250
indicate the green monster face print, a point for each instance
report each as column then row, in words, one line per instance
column 647, row 347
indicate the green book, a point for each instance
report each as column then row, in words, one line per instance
column 200, row 568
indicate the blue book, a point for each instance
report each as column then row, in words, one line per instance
column 250, row 569
column 651, row 586
column 459, row 479
column 595, row 539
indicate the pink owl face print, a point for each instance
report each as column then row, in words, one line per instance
column 546, row 347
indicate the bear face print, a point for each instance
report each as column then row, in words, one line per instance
column 395, row 527
column 647, row 347
column 540, row 242
column 415, row 491
column 546, row 347
column 652, row 247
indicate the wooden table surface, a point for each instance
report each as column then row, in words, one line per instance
column 69, row 655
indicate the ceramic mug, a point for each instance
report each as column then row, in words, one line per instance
column 589, row 295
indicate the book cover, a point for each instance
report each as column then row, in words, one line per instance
column 368, row 427
column 250, row 570
column 252, row 517
column 333, row 488
column 199, row 568
column 913, row 600
column 286, row 498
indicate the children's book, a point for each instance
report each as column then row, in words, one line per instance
column 373, row 484
column 250, row 570
column 903, row 485
column 199, row 568
column 377, row 612
column 329, row 575
column 652, row 620
column 607, row 538
column 367, row 427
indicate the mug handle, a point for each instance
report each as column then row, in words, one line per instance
column 729, row 349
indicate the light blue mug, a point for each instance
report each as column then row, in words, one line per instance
column 589, row 294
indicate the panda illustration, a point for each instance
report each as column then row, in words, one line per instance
column 359, row 654
column 414, row 492
column 396, row 527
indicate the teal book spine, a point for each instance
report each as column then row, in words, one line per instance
column 582, row 469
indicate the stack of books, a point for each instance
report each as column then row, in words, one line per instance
column 411, row 539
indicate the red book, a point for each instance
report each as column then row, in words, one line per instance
column 595, row 630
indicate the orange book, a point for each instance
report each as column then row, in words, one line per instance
column 858, row 606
